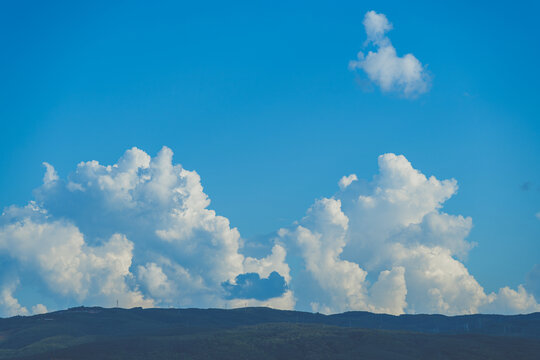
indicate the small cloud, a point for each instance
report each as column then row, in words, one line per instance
column 50, row 174
column 345, row 181
column 538, row 215
column 251, row 286
column 376, row 26
column 39, row 309
column 392, row 73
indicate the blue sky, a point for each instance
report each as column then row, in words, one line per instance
column 258, row 98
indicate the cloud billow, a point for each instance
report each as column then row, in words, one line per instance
column 404, row 75
column 251, row 286
column 138, row 231
column 141, row 232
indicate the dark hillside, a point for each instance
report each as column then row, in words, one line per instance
column 301, row 341
column 89, row 333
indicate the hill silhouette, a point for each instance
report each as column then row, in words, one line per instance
column 263, row 333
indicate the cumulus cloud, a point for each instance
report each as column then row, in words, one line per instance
column 396, row 231
column 509, row 301
column 138, row 231
column 319, row 240
column 141, row 231
column 39, row 309
column 340, row 284
column 392, row 73
column 9, row 304
column 56, row 250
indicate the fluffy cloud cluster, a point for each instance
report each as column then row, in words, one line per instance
column 140, row 232
column 392, row 73
column 394, row 229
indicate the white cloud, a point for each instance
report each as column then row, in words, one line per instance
column 10, row 306
column 138, row 231
column 39, row 309
column 397, row 231
column 320, row 239
column 389, row 293
column 345, row 181
column 392, row 73
column 50, row 174
column 538, row 215
column 284, row 302
column 157, row 283
column 273, row 262
column 141, row 232
column 509, row 301
column 58, row 254
column 170, row 283
column 376, row 26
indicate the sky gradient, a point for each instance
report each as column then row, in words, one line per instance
column 262, row 102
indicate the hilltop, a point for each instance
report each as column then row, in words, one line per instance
column 94, row 332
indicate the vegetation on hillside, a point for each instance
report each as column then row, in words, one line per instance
column 261, row 333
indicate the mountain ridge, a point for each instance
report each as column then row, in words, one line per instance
column 525, row 325
column 96, row 332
